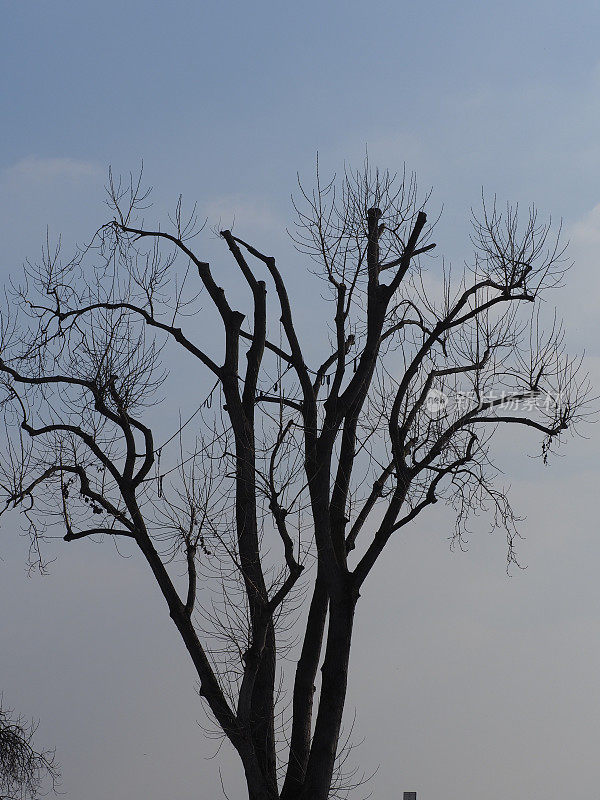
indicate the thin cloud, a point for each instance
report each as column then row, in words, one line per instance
column 579, row 299
column 43, row 170
column 246, row 214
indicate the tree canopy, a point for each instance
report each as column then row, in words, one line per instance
column 280, row 492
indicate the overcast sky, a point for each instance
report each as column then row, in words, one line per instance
column 467, row 684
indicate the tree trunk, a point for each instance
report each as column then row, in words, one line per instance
column 262, row 719
column 304, row 689
column 332, row 698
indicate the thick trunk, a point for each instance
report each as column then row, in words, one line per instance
column 257, row 789
column 304, row 689
column 334, row 682
column 262, row 718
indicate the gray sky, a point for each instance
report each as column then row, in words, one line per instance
column 468, row 684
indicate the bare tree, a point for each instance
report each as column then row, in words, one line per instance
column 282, row 489
column 23, row 769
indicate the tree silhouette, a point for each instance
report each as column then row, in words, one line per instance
column 23, row 769
column 293, row 472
